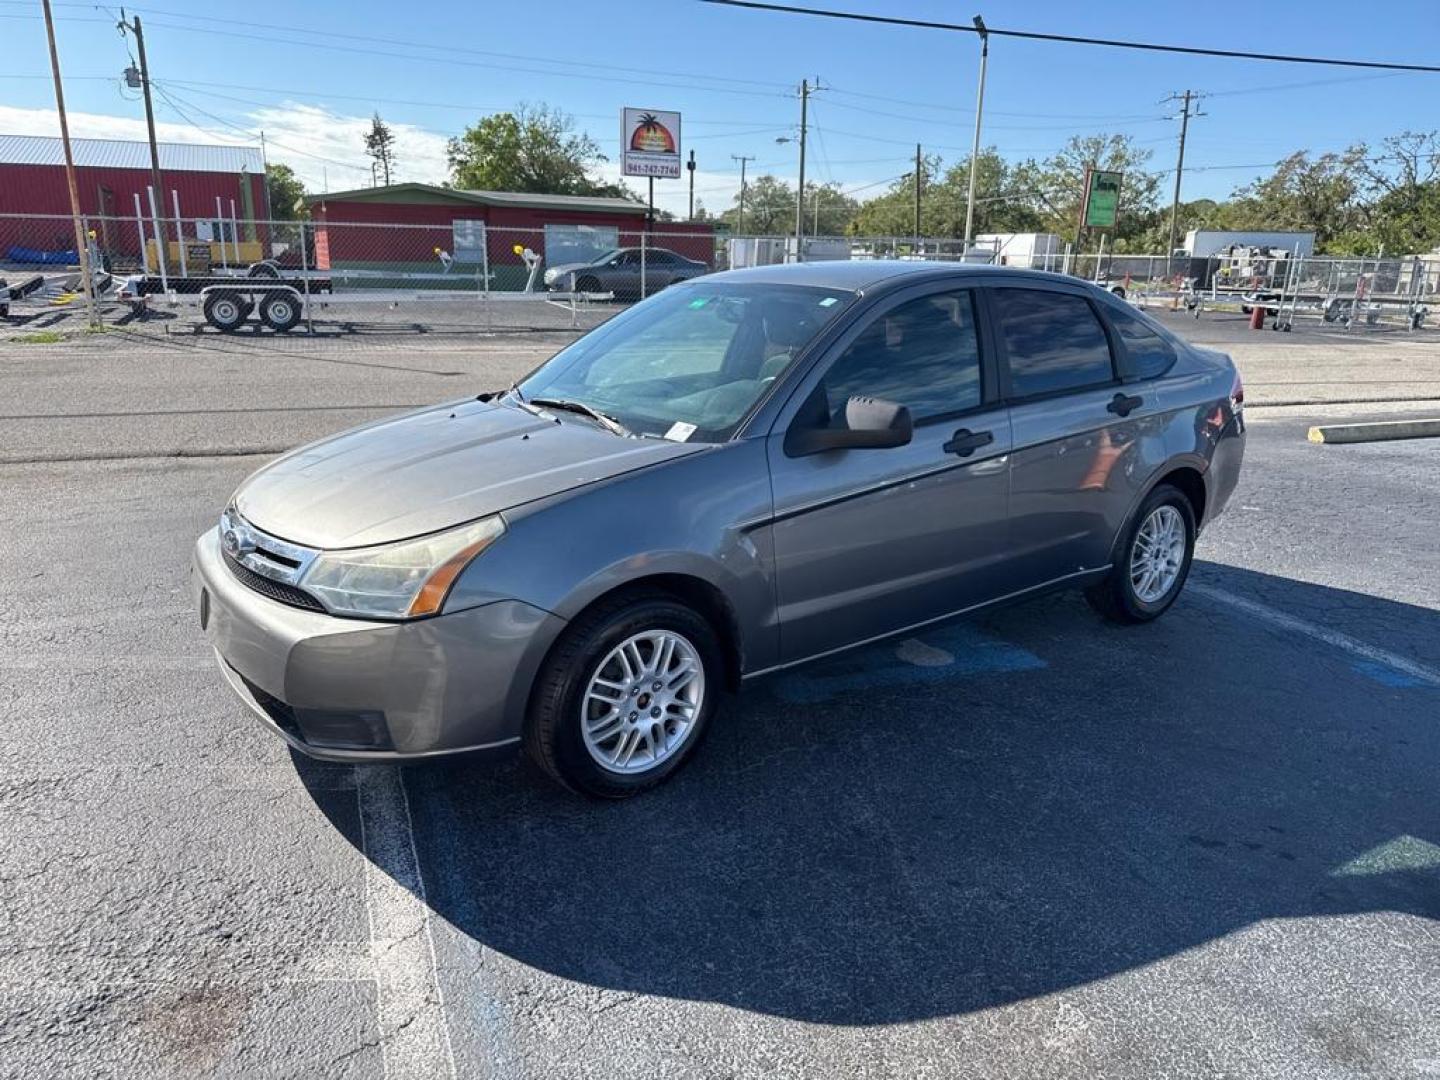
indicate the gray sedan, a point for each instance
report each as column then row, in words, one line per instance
column 622, row 270
column 736, row 476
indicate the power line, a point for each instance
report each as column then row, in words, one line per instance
column 192, row 87
column 489, row 65
column 1119, row 121
column 169, row 100
column 487, row 53
column 1072, row 39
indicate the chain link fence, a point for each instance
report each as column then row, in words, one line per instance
column 321, row 277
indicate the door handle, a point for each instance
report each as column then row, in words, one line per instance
column 1121, row 405
column 965, row 442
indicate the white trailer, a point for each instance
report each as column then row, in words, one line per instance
column 1030, row 251
column 1206, row 243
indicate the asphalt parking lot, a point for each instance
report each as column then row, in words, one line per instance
column 1025, row 845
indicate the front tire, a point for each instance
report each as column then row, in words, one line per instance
column 1152, row 562
column 626, row 696
column 225, row 311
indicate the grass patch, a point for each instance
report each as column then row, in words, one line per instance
column 40, row 337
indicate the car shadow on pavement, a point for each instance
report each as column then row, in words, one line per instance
column 901, row 850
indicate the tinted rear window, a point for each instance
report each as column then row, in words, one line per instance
column 1053, row 341
column 1150, row 354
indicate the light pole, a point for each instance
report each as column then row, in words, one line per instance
column 975, row 146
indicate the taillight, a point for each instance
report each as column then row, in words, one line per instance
column 1237, row 393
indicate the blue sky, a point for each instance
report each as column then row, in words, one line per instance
column 433, row 67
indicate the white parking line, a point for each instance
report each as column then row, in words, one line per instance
column 1319, row 633
column 414, row 1033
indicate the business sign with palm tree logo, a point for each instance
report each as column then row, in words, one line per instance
column 650, row 143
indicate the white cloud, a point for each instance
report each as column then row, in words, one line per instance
column 305, row 136
column 83, row 125
column 301, row 136
column 321, row 133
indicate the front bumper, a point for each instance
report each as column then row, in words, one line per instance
column 356, row 690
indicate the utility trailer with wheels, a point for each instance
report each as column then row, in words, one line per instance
column 281, row 297
column 227, row 301
column 228, row 307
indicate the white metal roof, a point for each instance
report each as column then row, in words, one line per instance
column 127, row 154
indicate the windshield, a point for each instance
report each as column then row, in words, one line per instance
column 689, row 363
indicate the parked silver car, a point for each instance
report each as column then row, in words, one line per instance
column 622, row 270
column 738, row 475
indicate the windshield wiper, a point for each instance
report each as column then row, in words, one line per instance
column 609, row 423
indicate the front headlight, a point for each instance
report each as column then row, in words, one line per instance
column 550, row 276
column 394, row 581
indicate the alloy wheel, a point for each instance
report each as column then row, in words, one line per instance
column 1157, row 554
column 642, row 701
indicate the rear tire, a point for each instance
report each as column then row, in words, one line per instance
column 566, row 701
column 1152, row 561
column 279, row 312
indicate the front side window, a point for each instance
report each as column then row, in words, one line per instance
column 1053, row 341
column 923, row 354
column 696, row 355
column 1150, row 354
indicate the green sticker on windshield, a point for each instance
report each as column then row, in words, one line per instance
column 699, row 301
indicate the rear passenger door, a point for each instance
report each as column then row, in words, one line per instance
column 1079, row 422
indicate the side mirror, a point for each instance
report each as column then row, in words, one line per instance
column 870, row 424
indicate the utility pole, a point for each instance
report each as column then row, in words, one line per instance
column 265, row 187
column 134, row 28
column 82, row 242
column 1185, row 99
column 690, row 167
column 805, row 89
column 975, row 145
column 1084, row 207
column 917, row 197
column 742, row 159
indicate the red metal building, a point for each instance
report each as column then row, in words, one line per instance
column 110, row 173
column 398, row 227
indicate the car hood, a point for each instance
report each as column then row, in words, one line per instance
column 432, row 469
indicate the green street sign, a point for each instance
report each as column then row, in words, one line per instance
column 1102, row 199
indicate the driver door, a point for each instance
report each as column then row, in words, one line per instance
column 868, row 542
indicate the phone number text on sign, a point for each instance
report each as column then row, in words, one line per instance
column 665, row 169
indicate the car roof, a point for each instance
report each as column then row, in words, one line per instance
column 864, row 274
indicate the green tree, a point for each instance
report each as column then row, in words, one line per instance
column 1321, row 194
column 534, row 149
column 893, row 212
column 1057, row 186
column 769, row 208
column 380, row 145
column 828, row 210
column 1003, row 202
column 286, row 192
column 1402, row 186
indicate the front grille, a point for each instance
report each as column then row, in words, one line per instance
column 275, row 590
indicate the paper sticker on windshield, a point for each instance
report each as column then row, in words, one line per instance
column 699, row 301
column 829, row 300
column 680, row 431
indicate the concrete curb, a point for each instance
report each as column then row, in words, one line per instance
column 1389, row 429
